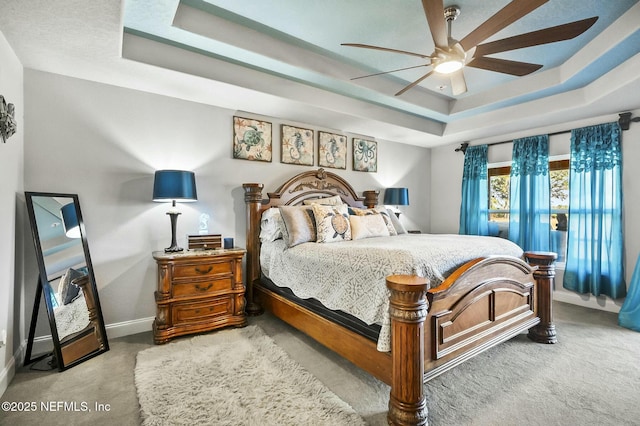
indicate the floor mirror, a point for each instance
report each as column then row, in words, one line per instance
column 66, row 281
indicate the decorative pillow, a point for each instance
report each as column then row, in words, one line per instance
column 271, row 225
column 377, row 210
column 334, row 200
column 69, row 291
column 332, row 223
column 299, row 224
column 367, row 226
column 399, row 227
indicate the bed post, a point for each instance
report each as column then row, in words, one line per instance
column 253, row 199
column 408, row 311
column 545, row 273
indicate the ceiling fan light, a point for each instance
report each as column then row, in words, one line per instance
column 447, row 67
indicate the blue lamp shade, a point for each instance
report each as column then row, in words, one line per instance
column 174, row 185
column 70, row 220
column 396, row 197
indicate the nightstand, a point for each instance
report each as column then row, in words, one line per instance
column 198, row 291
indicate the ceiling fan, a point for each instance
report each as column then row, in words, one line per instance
column 451, row 56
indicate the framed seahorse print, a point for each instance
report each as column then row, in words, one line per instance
column 332, row 150
column 297, row 146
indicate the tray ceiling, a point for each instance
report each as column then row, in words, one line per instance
column 285, row 59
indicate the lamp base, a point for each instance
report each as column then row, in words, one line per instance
column 174, row 248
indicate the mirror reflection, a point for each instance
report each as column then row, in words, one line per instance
column 66, row 278
column 64, row 262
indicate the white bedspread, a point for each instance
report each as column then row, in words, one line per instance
column 72, row 317
column 351, row 275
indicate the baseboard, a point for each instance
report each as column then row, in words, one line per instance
column 7, row 374
column 127, row 328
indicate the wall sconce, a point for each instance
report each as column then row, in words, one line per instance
column 8, row 123
column 174, row 185
column 396, row 197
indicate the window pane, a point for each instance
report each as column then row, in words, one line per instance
column 559, row 189
column 499, row 192
column 559, row 177
column 499, row 204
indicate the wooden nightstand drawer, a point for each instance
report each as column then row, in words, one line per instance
column 202, row 270
column 202, row 311
column 201, row 287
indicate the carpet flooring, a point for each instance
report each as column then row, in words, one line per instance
column 591, row 377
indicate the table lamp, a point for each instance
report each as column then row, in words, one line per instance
column 396, row 197
column 70, row 221
column 174, row 185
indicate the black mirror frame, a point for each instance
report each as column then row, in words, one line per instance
column 96, row 313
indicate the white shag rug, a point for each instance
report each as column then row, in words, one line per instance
column 232, row 377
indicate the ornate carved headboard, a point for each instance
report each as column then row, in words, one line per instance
column 313, row 184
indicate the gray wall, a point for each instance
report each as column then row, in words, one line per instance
column 446, row 181
column 104, row 143
column 11, row 225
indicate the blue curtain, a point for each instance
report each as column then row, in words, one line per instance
column 629, row 315
column 530, row 205
column 594, row 240
column 474, row 210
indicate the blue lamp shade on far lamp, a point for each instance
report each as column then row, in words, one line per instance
column 174, row 185
column 396, row 197
column 70, row 220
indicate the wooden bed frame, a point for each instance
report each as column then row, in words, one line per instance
column 483, row 303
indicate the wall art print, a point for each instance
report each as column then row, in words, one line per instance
column 297, row 145
column 252, row 139
column 8, row 125
column 365, row 155
column 332, row 150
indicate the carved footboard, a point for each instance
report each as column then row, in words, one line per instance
column 483, row 303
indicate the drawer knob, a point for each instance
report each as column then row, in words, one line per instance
column 201, row 271
column 199, row 288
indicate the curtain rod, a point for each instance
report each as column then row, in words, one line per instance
column 624, row 121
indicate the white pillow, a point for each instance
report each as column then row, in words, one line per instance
column 371, row 225
column 400, row 229
column 271, row 225
column 379, row 210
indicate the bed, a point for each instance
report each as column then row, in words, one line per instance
column 435, row 322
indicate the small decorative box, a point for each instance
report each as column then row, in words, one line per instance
column 205, row 242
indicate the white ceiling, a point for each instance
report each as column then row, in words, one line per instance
column 283, row 59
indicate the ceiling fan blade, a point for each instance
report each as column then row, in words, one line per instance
column 503, row 18
column 385, row 49
column 535, row 38
column 387, row 72
column 414, row 83
column 434, row 10
column 458, row 83
column 504, row 66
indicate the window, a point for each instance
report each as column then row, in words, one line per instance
column 499, row 203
